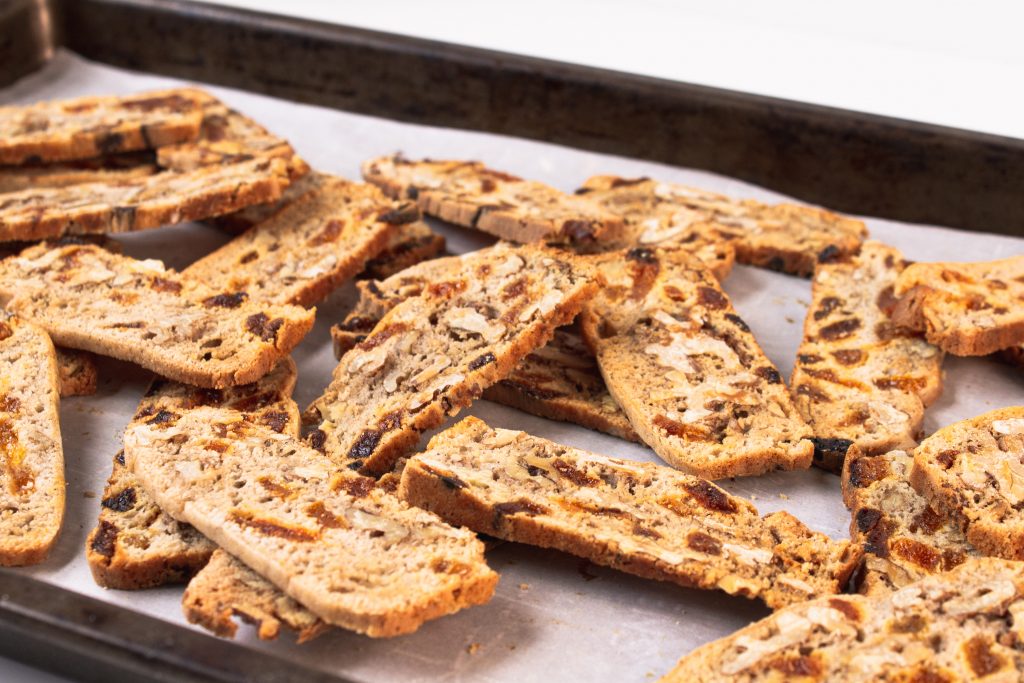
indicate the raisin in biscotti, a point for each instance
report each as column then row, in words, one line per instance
column 967, row 309
column 905, row 537
column 470, row 194
column 785, row 237
column 973, row 471
column 88, row 298
column 134, row 544
column 642, row 518
column 76, row 372
column 687, row 371
column 858, row 377
column 93, row 126
column 336, row 542
column 959, row 626
column 31, row 454
column 109, row 168
column 432, row 355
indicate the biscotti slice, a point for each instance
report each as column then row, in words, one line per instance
column 905, row 537
column 784, row 237
column 410, row 244
column 109, row 168
column 685, row 368
column 135, row 545
column 138, row 311
column 334, row 541
column 76, row 372
column 963, row 625
column 238, row 222
column 642, row 518
column 858, row 377
column 432, row 355
column 31, row 454
column 470, row 194
column 973, row 470
column 967, row 309
column 92, row 126
column 301, row 253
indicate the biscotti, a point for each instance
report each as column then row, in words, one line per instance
column 76, row 372
column 410, row 244
column 966, row 309
column 958, row 626
column 332, row 540
column 136, row 545
column 31, row 454
column 687, row 371
column 905, row 537
column 973, row 471
column 468, row 193
column 88, row 298
column 238, row 222
column 432, row 355
column 784, row 237
column 107, row 169
column 859, row 378
column 93, row 126
column 642, row 518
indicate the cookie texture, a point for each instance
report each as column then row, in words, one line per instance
column 139, row 311
column 959, row 626
column 238, row 222
column 105, row 169
column 642, row 518
column 76, row 373
column 687, row 371
column 966, row 309
column 334, row 541
column 410, row 243
column 860, row 378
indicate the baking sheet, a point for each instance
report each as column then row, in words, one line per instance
column 552, row 616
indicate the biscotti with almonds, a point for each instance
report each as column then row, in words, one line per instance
column 963, row 625
column 905, row 537
column 92, row 126
column 432, row 355
column 76, row 372
column 966, row 309
column 859, row 378
column 333, row 540
column 973, row 470
column 468, row 193
column 31, row 454
column 685, row 368
column 108, row 168
column 785, row 237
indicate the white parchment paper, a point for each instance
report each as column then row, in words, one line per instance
column 552, row 618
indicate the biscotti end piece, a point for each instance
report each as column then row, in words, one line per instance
column 77, row 372
column 32, row 457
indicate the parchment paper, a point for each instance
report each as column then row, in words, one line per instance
column 552, row 618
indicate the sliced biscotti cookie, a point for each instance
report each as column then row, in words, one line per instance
column 785, row 237
column 76, row 372
column 108, row 168
column 138, row 311
column 470, row 194
column 31, row 454
column 958, row 626
column 410, row 243
column 135, row 545
column 905, row 537
column 687, row 371
column 859, row 378
column 334, row 541
column 238, row 222
column 432, row 355
column 973, row 471
column 642, row 518
column 967, row 309
column 93, row 126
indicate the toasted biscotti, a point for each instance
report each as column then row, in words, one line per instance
column 93, row 126
column 963, row 625
column 687, row 371
column 966, row 309
column 785, row 237
column 973, row 470
column 468, row 193
column 410, row 243
column 31, row 454
column 858, row 377
column 108, row 168
column 238, row 222
column 76, row 372
column 136, row 545
column 334, row 541
column 642, row 518
column 905, row 537
column 138, row 311
column 432, row 355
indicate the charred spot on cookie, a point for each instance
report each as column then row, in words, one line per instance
column 122, row 501
column 226, row 300
column 626, row 182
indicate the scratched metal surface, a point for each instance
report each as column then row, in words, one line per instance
column 551, row 617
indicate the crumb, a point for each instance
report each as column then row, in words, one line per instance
column 524, row 586
column 473, row 648
column 88, row 494
column 511, row 647
column 753, row 496
column 805, row 304
column 789, row 320
column 783, row 496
